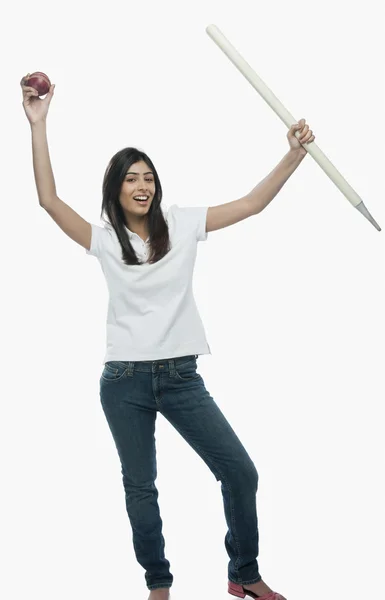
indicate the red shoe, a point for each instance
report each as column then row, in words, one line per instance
column 236, row 589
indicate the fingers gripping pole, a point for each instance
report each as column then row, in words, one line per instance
column 323, row 161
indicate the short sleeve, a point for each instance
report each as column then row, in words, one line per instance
column 100, row 239
column 193, row 218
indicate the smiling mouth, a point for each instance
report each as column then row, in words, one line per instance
column 142, row 199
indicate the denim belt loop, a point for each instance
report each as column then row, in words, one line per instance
column 171, row 366
column 131, row 365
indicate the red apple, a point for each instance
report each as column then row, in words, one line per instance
column 39, row 81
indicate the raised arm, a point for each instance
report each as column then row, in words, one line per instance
column 68, row 220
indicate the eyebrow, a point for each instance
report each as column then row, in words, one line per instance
column 132, row 173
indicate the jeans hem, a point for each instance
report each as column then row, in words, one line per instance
column 250, row 582
column 159, row 585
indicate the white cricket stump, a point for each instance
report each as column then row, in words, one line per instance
column 277, row 106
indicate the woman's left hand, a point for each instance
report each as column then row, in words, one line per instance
column 306, row 136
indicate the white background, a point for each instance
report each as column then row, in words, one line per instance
column 292, row 299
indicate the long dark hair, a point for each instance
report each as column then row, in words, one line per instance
column 157, row 225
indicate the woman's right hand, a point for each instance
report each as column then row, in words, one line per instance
column 35, row 108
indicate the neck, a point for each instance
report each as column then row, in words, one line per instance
column 140, row 228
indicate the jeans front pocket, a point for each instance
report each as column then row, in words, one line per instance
column 113, row 371
column 187, row 371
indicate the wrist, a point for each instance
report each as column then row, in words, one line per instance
column 297, row 155
column 38, row 124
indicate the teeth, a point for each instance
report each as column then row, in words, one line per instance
column 141, row 198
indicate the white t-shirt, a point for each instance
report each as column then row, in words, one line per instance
column 152, row 312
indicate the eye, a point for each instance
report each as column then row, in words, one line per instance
column 149, row 180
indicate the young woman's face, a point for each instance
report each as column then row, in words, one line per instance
column 138, row 183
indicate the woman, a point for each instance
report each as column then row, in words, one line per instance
column 154, row 336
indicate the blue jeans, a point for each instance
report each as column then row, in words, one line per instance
column 131, row 394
